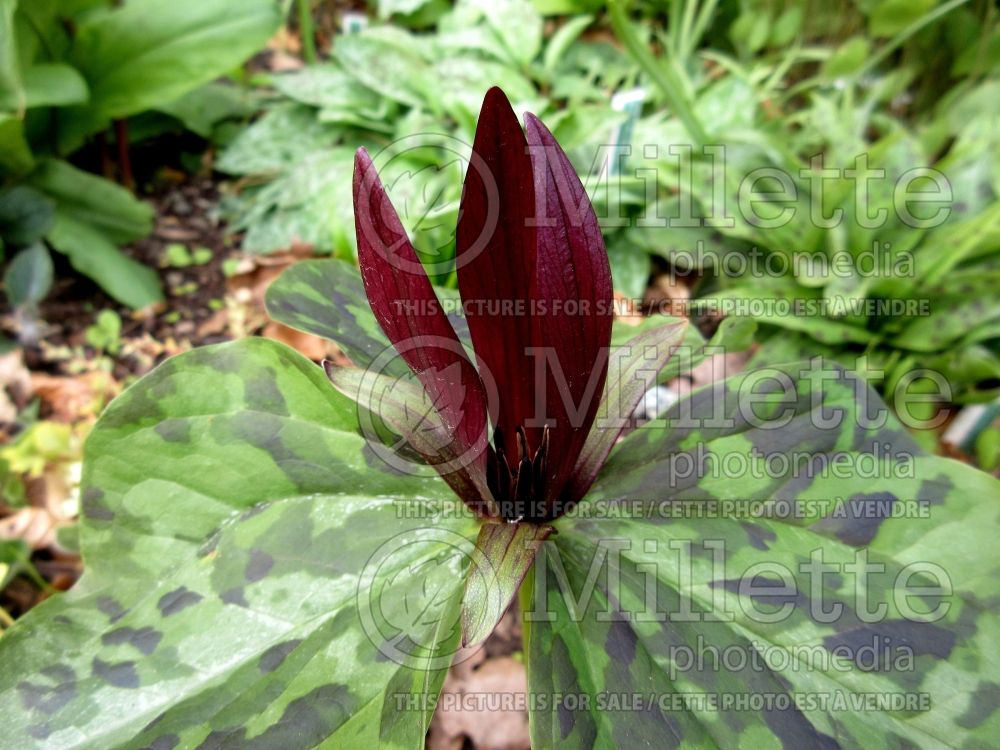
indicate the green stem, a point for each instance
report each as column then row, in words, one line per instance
column 702, row 23
column 307, row 31
column 28, row 568
column 663, row 76
column 5, row 618
column 673, row 25
column 686, row 42
column 893, row 44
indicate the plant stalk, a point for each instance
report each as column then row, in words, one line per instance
column 307, row 30
column 662, row 75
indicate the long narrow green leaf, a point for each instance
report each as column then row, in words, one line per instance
column 899, row 39
column 662, row 75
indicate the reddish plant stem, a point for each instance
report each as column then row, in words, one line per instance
column 124, row 161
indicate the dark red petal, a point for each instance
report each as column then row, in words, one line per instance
column 574, row 284
column 407, row 309
column 495, row 259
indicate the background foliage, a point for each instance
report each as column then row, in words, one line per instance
column 216, row 601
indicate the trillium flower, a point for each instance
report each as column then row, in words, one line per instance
column 536, row 289
column 535, row 283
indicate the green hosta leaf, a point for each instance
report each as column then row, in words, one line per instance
column 652, row 620
column 92, row 200
column 95, row 256
column 29, row 276
column 25, row 215
column 504, row 554
column 239, row 591
column 15, row 153
column 53, row 85
column 146, row 53
column 204, row 108
column 11, row 89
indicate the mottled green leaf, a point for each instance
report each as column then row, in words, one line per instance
column 386, row 60
column 326, row 298
column 265, row 147
column 745, row 644
column 250, row 580
column 323, row 86
column 963, row 302
column 518, row 25
column 400, row 406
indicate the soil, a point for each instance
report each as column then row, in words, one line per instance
column 185, row 215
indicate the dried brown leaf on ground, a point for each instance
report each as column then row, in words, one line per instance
column 668, row 294
column 36, row 527
column 627, row 311
column 306, row 344
column 15, row 385
column 74, row 398
column 246, row 314
column 710, row 370
column 482, row 703
column 483, row 697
